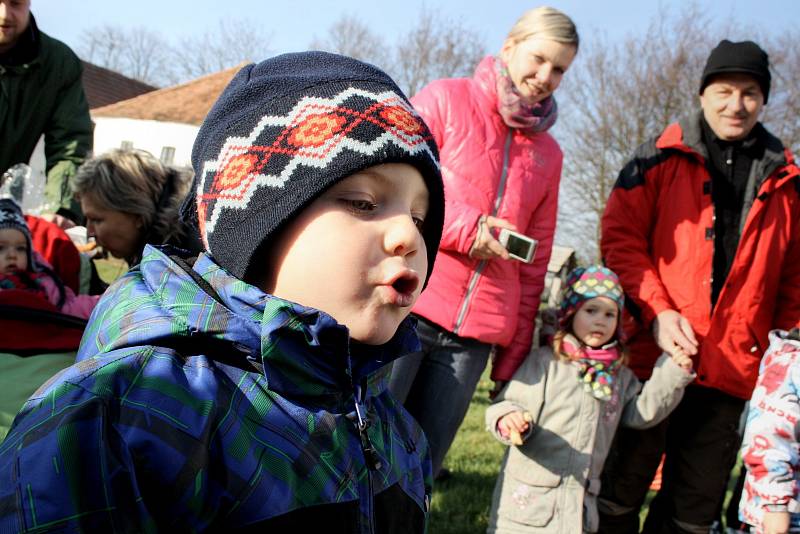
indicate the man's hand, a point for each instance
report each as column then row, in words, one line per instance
column 673, row 331
column 486, row 247
column 512, row 425
column 776, row 522
column 59, row 220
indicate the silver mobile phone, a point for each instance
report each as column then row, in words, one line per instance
column 519, row 246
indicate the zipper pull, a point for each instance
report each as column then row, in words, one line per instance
column 362, row 424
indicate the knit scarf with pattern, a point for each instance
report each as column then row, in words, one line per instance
column 597, row 368
column 516, row 112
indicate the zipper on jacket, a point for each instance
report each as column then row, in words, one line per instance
column 371, row 457
column 501, row 189
column 713, row 252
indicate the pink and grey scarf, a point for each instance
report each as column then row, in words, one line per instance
column 516, row 112
column 597, row 368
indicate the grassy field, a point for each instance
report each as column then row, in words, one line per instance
column 461, row 503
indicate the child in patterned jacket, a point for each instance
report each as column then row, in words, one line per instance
column 562, row 408
column 246, row 389
column 770, row 447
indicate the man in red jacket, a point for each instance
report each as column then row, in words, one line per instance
column 703, row 228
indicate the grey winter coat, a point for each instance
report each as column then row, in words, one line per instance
column 550, row 482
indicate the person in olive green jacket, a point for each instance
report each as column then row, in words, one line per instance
column 41, row 93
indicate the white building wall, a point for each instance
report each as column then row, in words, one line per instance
column 111, row 132
column 153, row 136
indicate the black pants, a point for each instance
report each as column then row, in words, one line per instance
column 701, row 440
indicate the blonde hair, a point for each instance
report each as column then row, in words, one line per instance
column 135, row 182
column 545, row 22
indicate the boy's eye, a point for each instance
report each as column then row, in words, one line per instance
column 419, row 223
column 359, row 205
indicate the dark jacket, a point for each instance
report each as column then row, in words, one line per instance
column 199, row 403
column 658, row 236
column 41, row 93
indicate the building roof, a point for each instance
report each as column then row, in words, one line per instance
column 187, row 103
column 104, row 87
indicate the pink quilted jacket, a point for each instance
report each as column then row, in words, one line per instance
column 489, row 169
column 76, row 305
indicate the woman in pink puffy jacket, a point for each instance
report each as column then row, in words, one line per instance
column 501, row 169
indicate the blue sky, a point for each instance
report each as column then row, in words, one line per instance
column 292, row 24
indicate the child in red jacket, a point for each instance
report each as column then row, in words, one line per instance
column 21, row 268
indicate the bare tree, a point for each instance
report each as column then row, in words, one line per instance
column 782, row 112
column 231, row 43
column 351, row 37
column 147, row 56
column 619, row 95
column 104, row 45
column 437, row 47
column 137, row 52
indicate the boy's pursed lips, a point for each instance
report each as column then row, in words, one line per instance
column 401, row 287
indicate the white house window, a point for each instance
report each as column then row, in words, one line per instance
column 167, row 155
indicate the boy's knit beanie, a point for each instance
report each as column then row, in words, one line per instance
column 11, row 217
column 285, row 130
column 585, row 283
column 745, row 57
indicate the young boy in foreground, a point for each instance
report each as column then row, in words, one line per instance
column 248, row 390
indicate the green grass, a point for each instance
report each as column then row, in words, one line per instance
column 460, row 504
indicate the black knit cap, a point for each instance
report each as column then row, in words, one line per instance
column 287, row 129
column 745, row 57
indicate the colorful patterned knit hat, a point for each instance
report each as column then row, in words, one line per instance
column 287, row 129
column 587, row 283
column 11, row 217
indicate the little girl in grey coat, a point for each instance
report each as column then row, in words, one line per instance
column 560, row 412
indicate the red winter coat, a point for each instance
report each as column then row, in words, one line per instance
column 657, row 234
column 487, row 164
column 57, row 248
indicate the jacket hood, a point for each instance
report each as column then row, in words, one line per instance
column 301, row 351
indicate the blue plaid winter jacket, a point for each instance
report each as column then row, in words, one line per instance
column 199, row 403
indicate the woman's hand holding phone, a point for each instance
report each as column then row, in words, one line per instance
column 486, row 246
